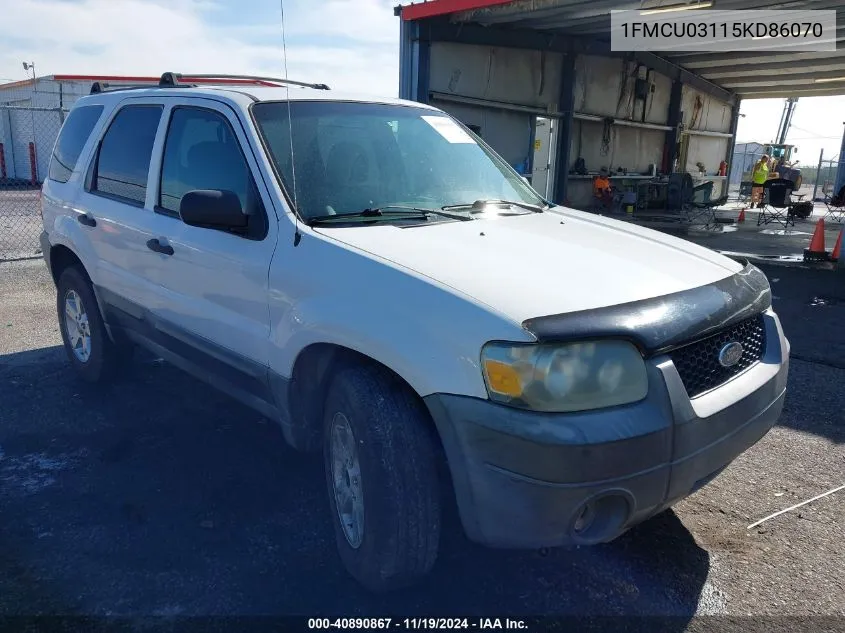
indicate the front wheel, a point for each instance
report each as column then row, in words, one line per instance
column 381, row 469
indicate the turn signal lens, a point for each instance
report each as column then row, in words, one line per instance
column 503, row 379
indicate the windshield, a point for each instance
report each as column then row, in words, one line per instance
column 353, row 156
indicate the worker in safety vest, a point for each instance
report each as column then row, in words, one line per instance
column 759, row 176
column 602, row 190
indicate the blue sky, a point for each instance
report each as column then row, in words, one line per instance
column 349, row 44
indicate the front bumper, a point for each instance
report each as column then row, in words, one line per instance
column 525, row 479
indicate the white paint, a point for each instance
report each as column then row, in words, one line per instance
column 521, row 265
column 796, row 506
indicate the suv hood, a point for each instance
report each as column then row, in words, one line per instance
column 539, row 264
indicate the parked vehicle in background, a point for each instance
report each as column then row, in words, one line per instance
column 372, row 276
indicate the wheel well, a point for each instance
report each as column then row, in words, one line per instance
column 61, row 258
column 312, row 372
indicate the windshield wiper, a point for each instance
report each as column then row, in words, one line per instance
column 480, row 205
column 389, row 212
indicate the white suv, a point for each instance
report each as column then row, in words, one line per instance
column 371, row 275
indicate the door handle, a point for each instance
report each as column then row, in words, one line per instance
column 158, row 247
column 86, row 219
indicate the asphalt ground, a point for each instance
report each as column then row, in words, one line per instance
column 158, row 496
column 772, row 241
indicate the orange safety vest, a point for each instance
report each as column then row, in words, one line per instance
column 600, row 185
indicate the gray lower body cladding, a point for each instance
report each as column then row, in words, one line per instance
column 525, row 479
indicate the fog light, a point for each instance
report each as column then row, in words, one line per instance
column 601, row 518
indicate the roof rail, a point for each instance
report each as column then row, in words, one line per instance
column 170, row 80
column 102, row 86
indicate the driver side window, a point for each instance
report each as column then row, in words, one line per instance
column 201, row 151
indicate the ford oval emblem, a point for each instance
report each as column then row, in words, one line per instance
column 730, row 354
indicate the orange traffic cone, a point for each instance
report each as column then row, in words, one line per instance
column 834, row 256
column 816, row 251
column 741, row 217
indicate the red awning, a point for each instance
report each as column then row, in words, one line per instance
column 445, row 7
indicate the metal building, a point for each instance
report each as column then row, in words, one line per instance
column 513, row 70
column 31, row 113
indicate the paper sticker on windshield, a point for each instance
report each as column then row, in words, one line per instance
column 448, row 129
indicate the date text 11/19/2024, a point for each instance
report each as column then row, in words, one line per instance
column 414, row 624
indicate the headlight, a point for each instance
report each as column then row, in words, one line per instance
column 564, row 377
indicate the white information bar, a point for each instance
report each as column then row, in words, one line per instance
column 719, row 31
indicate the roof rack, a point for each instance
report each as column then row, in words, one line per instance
column 184, row 80
column 170, row 80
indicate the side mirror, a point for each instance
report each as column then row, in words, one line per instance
column 212, row 208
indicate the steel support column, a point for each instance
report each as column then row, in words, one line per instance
column 566, row 106
column 414, row 63
column 840, row 173
column 729, row 154
column 674, row 121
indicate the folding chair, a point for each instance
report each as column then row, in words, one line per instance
column 835, row 206
column 701, row 209
column 777, row 203
column 706, row 211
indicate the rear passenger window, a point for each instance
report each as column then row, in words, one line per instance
column 75, row 132
column 201, row 151
column 124, row 158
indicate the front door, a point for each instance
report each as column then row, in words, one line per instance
column 214, row 283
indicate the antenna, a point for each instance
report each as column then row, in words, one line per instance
column 297, row 236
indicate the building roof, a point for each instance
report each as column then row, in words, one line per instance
column 749, row 74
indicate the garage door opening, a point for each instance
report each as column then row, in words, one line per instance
column 543, row 162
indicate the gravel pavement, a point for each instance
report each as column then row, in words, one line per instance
column 159, row 496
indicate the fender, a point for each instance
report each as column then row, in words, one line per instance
column 429, row 334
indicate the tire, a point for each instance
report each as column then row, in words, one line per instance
column 104, row 357
column 398, row 477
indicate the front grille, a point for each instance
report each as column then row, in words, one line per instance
column 698, row 363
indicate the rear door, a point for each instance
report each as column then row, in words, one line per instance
column 120, row 215
column 213, row 287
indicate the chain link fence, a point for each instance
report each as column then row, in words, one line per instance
column 829, row 174
column 818, row 182
column 31, row 114
column 27, row 135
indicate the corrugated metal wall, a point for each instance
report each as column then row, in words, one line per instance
column 509, row 78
